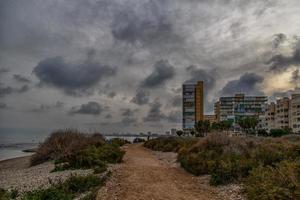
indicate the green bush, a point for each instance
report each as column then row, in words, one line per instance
column 6, row 195
column 278, row 132
column 169, row 144
column 67, row 190
column 91, row 157
column 270, row 183
column 231, row 159
column 118, row 141
column 63, row 143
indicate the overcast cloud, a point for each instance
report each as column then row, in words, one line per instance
column 119, row 65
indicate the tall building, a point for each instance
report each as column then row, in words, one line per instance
column 270, row 117
column 192, row 104
column 295, row 113
column 239, row 106
column 217, row 110
column 282, row 113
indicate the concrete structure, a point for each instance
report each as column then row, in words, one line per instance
column 192, row 104
column 270, row 117
column 173, row 131
column 294, row 114
column 217, row 110
column 282, row 113
column 239, row 106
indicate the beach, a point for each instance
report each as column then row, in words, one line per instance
column 17, row 174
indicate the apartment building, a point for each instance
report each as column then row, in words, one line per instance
column 217, row 110
column 192, row 104
column 282, row 113
column 239, row 106
column 270, row 117
column 294, row 113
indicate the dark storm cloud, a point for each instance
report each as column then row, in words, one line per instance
column 45, row 107
column 147, row 24
column 128, row 112
column 177, row 101
column 3, row 105
column 41, row 109
column 73, row 79
column 24, row 88
column 91, row 108
column 3, row 70
column 108, row 116
column 111, row 94
column 278, row 40
column 155, row 114
column 281, row 62
column 162, row 72
column 198, row 74
column 295, row 76
column 7, row 90
column 21, row 79
column 127, row 121
column 247, row 84
column 141, row 97
column 175, row 116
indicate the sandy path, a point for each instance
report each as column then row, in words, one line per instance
column 143, row 176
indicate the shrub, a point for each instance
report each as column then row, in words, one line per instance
column 262, row 132
column 63, row 143
column 279, row 182
column 91, row 157
column 169, row 144
column 278, row 132
column 118, row 141
column 67, row 190
column 6, row 195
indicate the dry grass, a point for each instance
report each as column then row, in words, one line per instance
column 63, row 143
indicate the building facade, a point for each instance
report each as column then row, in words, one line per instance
column 192, row 104
column 294, row 113
column 270, row 117
column 239, row 106
column 282, row 113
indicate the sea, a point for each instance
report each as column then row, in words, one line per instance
column 11, row 150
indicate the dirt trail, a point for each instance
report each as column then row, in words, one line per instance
column 143, row 176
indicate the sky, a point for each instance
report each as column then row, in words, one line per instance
column 118, row 65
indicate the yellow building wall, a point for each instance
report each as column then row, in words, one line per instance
column 199, row 101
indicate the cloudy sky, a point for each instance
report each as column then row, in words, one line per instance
column 118, row 65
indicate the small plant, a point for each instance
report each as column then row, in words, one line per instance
column 91, row 157
column 118, row 141
column 67, row 190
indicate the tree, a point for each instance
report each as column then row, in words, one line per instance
column 226, row 125
column 179, row 133
column 192, row 132
column 202, row 127
column 248, row 124
column 216, row 126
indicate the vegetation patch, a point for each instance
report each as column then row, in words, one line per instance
column 267, row 167
column 169, row 144
column 67, row 190
column 279, row 182
column 63, row 143
column 118, row 141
